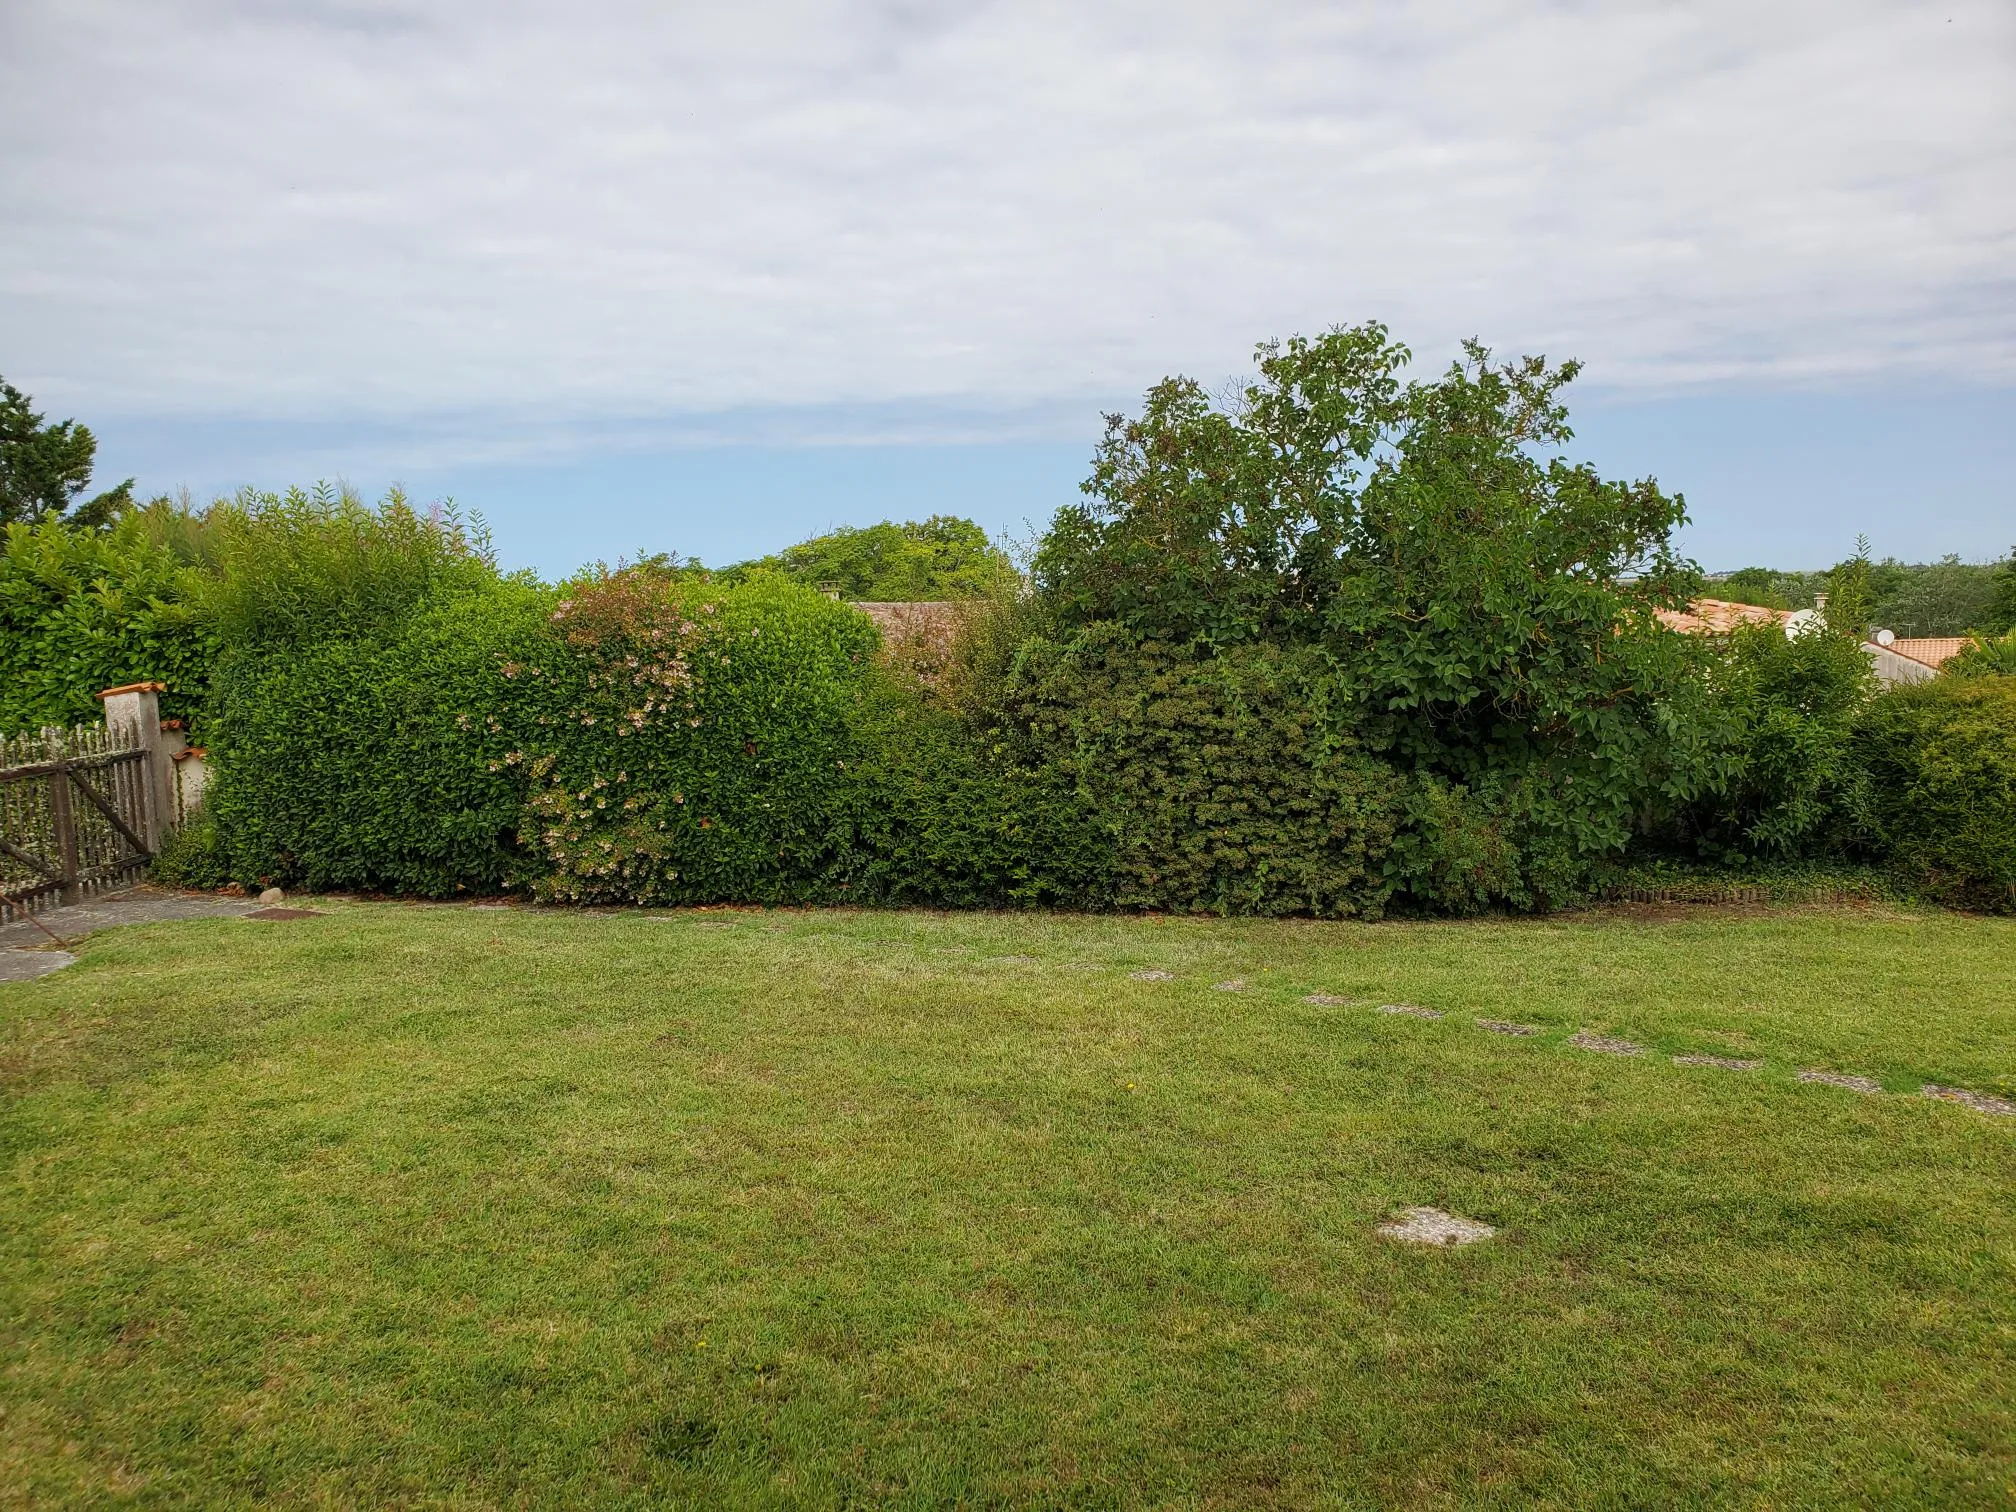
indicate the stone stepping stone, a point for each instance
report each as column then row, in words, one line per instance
column 280, row 913
column 1427, row 1225
column 1237, row 984
column 1506, row 1026
column 1721, row 1062
column 1152, row 976
column 1410, row 1010
column 26, row 965
column 1604, row 1044
column 1329, row 1000
column 1012, row 960
column 1980, row 1102
column 1841, row 1079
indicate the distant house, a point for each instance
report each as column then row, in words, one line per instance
column 918, row 637
column 1707, row 616
column 1933, row 650
column 1895, row 661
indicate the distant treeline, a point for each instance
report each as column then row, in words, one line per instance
column 1946, row 597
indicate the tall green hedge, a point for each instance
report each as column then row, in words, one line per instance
column 376, row 761
column 688, row 742
column 1227, row 783
column 82, row 610
column 1940, row 799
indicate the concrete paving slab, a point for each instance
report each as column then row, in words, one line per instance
column 26, row 965
column 139, row 905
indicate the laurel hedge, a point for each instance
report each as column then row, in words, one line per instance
column 372, row 761
column 82, row 610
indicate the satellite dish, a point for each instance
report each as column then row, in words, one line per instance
column 1886, row 637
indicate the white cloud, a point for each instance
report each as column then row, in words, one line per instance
column 628, row 212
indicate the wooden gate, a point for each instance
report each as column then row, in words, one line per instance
column 73, row 817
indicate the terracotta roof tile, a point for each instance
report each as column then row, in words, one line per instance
column 1932, row 650
column 1707, row 616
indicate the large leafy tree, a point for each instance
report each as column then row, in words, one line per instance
column 943, row 557
column 1487, row 610
column 46, row 466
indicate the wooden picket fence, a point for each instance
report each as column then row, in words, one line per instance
column 73, row 817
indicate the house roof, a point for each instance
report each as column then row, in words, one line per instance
column 1932, row 650
column 1707, row 616
column 933, row 620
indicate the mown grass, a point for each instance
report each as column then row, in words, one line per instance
column 446, row 1207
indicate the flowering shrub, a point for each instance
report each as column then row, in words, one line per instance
column 689, row 742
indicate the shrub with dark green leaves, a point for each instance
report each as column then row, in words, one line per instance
column 1483, row 615
column 1226, row 783
column 1940, row 801
column 376, row 761
column 944, row 814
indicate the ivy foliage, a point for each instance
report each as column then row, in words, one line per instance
column 1228, row 783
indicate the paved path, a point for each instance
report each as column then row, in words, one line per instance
column 139, row 905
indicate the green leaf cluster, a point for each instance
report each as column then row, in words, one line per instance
column 1991, row 657
column 1483, row 615
column 944, row 557
column 82, row 610
column 1940, row 797
column 1784, row 712
column 373, row 761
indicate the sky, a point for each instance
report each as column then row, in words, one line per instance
column 630, row 277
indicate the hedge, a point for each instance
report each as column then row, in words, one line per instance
column 82, row 610
column 1940, row 802
column 373, row 762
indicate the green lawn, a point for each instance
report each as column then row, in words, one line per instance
column 456, row 1208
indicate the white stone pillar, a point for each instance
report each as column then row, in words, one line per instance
column 133, row 717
